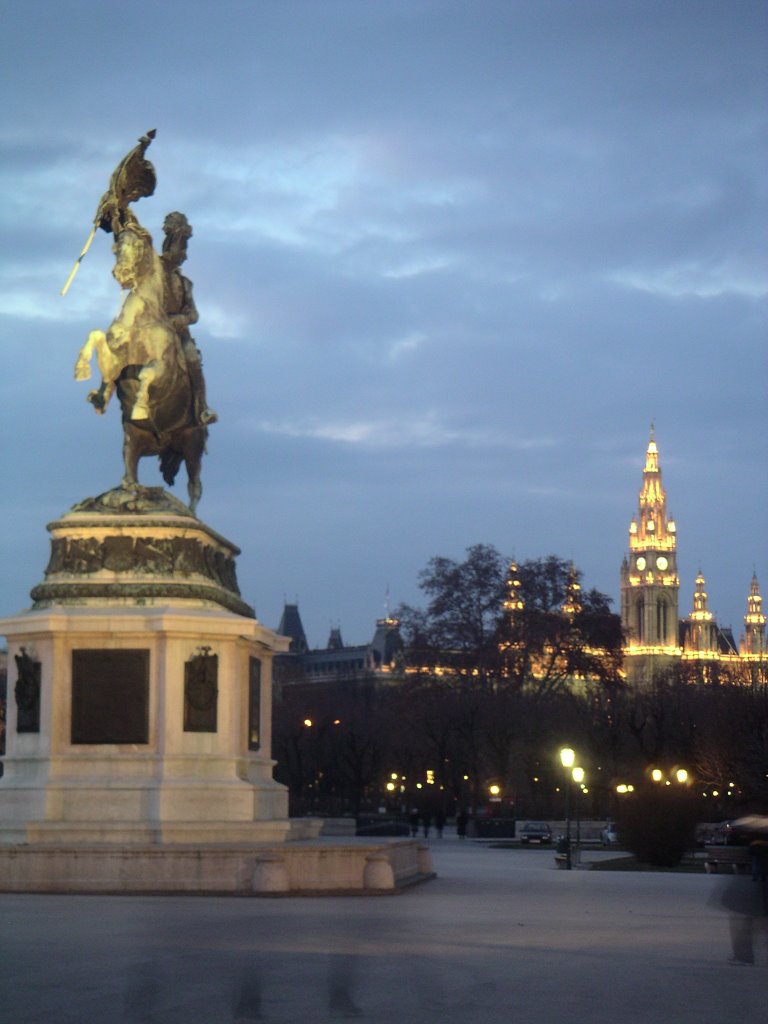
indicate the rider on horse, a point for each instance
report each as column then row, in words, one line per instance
column 147, row 354
column 180, row 308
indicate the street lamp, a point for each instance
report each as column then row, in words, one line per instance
column 578, row 777
column 568, row 759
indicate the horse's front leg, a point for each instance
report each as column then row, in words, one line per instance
column 83, row 364
column 99, row 398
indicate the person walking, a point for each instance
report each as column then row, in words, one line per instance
column 462, row 820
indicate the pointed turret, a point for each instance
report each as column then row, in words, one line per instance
column 387, row 644
column 292, row 626
column 572, row 604
column 700, row 611
column 513, row 602
column 754, row 622
column 700, row 630
column 335, row 643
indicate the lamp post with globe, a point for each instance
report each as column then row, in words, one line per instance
column 568, row 759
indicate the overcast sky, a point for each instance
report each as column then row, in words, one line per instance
column 451, row 259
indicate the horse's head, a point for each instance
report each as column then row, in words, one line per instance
column 133, row 256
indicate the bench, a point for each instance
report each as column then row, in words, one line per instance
column 729, row 859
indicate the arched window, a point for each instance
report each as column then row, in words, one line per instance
column 661, row 619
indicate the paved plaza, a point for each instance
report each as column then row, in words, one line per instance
column 499, row 936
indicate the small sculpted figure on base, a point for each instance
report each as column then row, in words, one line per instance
column 147, row 355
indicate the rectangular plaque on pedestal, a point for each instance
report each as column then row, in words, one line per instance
column 201, row 691
column 110, row 696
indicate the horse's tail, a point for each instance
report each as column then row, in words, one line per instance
column 170, row 461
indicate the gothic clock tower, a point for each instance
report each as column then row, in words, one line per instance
column 649, row 581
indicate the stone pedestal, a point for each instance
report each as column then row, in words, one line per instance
column 139, row 691
column 138, row 726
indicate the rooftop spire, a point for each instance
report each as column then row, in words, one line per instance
column 513, row 602
column 572, row 604
column 700, row 611
column 754, row 620
column 651, row 529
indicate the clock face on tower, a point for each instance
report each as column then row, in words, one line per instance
column 661, row 563
column 640, row 563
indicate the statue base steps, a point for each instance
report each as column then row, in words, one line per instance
column 295, row 868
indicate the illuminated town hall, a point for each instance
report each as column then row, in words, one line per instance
column 657, row 637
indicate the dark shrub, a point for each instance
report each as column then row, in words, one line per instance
column 657, row 824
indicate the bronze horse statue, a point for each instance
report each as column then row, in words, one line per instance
column 142, row 358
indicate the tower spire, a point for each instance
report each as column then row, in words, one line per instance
column 513, row 602
column 572, row 604
column 754, row 621
column 649, row 580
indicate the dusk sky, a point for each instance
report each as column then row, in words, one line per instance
column 451, row 260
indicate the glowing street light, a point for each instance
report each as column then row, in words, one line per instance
column 567, row 757
column 681, row 775
column 657, row 774
column 577, row 774
column 568, row 760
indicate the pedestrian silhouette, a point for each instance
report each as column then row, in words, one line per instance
column 462, row 820
column 440, row 823
column 414, row 822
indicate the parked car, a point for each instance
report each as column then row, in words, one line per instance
column 734, row 833
column 609, row 836
column 536, row 832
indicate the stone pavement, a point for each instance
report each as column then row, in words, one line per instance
column 499, row 936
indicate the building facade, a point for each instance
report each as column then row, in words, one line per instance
column 657, row 637
column 379, row 659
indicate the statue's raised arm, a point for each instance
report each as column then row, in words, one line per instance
column 133, row 178
column 147, row 355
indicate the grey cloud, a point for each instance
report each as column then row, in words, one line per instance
column 450, row 261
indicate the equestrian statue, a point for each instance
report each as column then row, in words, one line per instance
column 147, row 354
